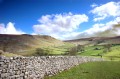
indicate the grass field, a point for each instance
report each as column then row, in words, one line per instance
column 91, row 70
column 109, row 69
column 114, row 54
column 58, row 50
column 9, row 54
column 55, row 50
column 90, row 51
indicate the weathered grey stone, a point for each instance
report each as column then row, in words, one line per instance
column 38, row 67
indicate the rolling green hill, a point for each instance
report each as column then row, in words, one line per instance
column 96, row 40
column 96, row 46
column 26, row 45
column 25, row 42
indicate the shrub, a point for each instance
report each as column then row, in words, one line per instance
column 72, row 51
column 80, row 48
column 97, row 48
column 41, row 52
column 107, row 47
column 75, row 50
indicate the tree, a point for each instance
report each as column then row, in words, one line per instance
column 72, row 51
column 80, row 48
column 108, row 47
column 105, row 51
column 75, row 50
column 41, row 52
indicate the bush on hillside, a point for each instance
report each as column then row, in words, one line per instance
column 72, row 51
column 107, row 48
column 97, row 48
column 41, row 52
column 80, row 48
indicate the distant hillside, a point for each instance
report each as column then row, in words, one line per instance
column 19, row 43
column 96, row 40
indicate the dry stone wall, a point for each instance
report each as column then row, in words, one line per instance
column 38, row 67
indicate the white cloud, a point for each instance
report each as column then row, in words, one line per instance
column 59, row 25
column 9, row 29
column 106, row 10
column 96, row 28
column 99, row 29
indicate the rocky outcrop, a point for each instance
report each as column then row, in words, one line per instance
column 38, row 67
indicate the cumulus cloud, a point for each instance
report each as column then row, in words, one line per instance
column 111, row 28
column 9, row 29
column 59, row 25
column 110, row 9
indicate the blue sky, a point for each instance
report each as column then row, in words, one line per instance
column 62, row 19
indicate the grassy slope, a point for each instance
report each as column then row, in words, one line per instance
column 56, row 50
column 91, row 70
column 89, row 51
column 9, row 54
column 26, row 43
column 60, row 49
column 115, row 53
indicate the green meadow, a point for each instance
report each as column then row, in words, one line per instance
column 99, row 51
column 108, row 69
column 91, row 70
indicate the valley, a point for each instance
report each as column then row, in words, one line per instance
column 40, row 45
column 106, row 48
